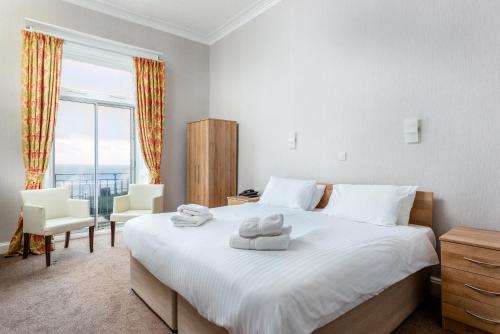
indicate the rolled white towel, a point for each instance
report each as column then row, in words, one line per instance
column 193, row 209
column 278, row 242
column 183, row 220
column 268, row 226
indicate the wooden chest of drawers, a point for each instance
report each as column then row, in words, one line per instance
column 470, row 280
column 237, row 200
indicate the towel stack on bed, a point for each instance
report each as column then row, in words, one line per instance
column 191, row 215
column 265, row 234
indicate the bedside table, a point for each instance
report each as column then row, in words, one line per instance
column 237, row 200
column 470, row 280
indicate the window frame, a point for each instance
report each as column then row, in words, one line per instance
column 133, row 145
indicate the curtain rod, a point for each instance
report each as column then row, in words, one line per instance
column 90, row 40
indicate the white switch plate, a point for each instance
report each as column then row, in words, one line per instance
column 411, row 130
column 342, row 156
column 292, row 140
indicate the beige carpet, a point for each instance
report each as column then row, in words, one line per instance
column 89, row 293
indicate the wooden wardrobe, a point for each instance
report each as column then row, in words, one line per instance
column 212, row 148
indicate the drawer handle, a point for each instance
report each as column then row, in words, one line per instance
column 486, row 292
column 488, row 320
column 481, row 262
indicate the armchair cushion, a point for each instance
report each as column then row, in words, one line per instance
column 158, row 204
column 127, row 215
column 121, row 203
column 33, row 219
column 52, row 199
column 60, row 225
column 79, row 208
column 141, row 195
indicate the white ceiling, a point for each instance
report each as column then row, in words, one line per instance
column 204, row 21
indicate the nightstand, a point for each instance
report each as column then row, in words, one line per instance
column 470, row 280
column 237, row 200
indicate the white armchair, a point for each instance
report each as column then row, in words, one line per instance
column 142, row 199
column 51, row 211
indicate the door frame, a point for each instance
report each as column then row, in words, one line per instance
column 133, row 147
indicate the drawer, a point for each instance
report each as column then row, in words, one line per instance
column 471, row 312
column 231, row 201
column 469, row 285
column 472, row 259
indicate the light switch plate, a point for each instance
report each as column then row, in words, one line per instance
column 412, row 130
column 342, row 156
column 292, row 140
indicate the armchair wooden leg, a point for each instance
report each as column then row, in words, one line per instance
column 26, row 248
column 66, row 240
column 91, row 238
column 112, row 234
column 48, row 242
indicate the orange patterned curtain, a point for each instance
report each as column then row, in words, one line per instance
column 40, row 77
column 150, row 95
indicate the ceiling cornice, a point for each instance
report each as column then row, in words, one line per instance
column 112, row 10
column 224, row 29
column 240, row 19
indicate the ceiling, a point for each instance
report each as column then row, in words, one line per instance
column 204, row 21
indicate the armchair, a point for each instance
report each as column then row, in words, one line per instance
column 142, row 199
column 51, row 211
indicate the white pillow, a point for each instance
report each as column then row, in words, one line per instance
column 290, row 193
column 316, row 197
column 406, row 205
column 374, row 204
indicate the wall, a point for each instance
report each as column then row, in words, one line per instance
column 345, row 74
column 187, row 91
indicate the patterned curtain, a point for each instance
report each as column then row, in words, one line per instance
column 40, row 77
column 150, row 95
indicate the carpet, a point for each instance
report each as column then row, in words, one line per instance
column 90, row 293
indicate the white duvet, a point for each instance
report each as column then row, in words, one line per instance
column 332, row 266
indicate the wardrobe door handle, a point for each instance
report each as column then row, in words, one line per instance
column 488, row 320
column 497, row 265
column 486, row 292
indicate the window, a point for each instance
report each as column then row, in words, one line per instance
column 95, row 151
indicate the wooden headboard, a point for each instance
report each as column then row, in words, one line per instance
column 421, row 213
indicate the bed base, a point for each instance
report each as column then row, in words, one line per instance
column 160, row 298
column 380, row 314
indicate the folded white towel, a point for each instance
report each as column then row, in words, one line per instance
column 183, row 220
column 278, row 242
column 254, row 227
column 193, row 209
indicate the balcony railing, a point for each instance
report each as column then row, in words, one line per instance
column 81, row 186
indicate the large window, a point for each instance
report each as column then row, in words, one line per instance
column 95, row 150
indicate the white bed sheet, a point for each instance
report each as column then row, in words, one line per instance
column 332, row 266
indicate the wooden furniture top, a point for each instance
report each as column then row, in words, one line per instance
column 473, row 237
column 243, row 198
column 211, row 119
column 421, row 212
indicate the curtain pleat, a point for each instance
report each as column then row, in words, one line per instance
column 150, row 100
column 40, row 81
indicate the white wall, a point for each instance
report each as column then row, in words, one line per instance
column 187, row 90
column 345, row 74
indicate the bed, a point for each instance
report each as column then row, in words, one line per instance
column 197, row 284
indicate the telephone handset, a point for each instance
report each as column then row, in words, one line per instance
column 249, row 193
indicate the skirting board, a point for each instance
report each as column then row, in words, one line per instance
column 4, row 246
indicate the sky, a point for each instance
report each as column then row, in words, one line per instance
column 74, row 143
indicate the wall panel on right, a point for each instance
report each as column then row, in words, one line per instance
column 345, row 74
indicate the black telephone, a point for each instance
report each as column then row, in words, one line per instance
column 249, row 193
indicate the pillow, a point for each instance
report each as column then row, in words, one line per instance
column 316, row 197
column 374, row 204
column 290, row 193
column 406, row 205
